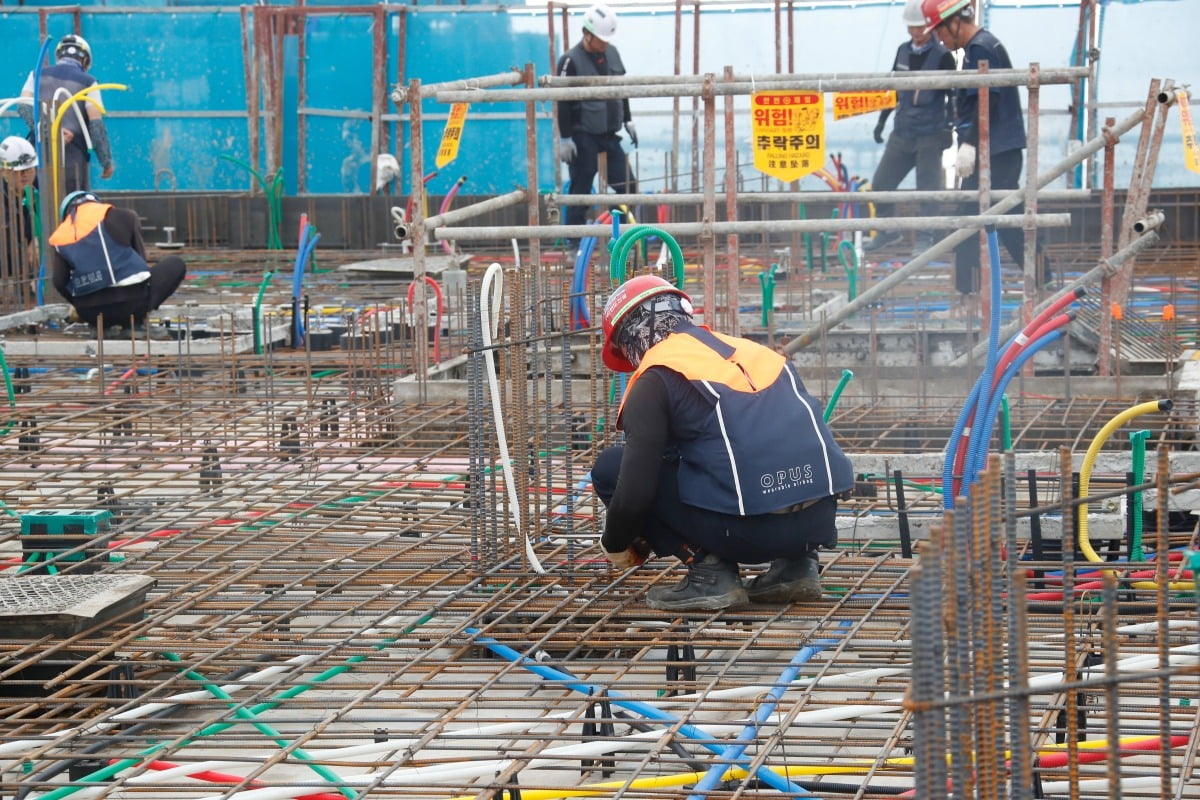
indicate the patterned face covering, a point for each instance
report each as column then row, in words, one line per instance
column 646, row 326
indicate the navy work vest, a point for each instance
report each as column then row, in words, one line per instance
column 1007, row 123
column 763, row 444
column 96, row 261
column 924, row 111
column 598, row 116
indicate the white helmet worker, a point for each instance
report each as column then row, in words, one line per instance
column 75, row 46
column 913, row 16
column 17, row 154
column 600, row 21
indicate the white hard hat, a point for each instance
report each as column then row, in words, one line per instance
column 16, row 153
column 913, row 15
column 600, row 21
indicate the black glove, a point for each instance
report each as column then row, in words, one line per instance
column 879, row 130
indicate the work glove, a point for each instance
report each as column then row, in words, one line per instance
column 632, row 131
column 964, row 161
column 567, row 150
column 633, row 556
column 879, row 130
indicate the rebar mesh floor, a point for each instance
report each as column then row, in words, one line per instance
column 332, row 616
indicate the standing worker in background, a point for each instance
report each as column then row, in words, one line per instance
column 921, row 130
column 727, row 458
column 953, row 22
column 589, row 127
column 18, row 248
column 99, row 265
column 80, row 124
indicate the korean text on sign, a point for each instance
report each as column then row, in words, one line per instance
column 788, row 133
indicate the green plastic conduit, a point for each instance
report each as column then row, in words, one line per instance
column 1005, row 423
column 621, row 247
column 767, row 281
column 851, row 267
column 808, row 253
column 1137, row 442
column 272, row 193
column 837, row 393
column 8, row 389
column 257, row 313
column 217, row 727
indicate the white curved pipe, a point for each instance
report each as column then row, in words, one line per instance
column 87, row 137
column 494, row 280
column 9, row 102
column 21, row 746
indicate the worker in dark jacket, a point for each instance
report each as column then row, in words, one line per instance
column 727, row 458
column 98, row 264
column 82, row 128
column 953, row 22
column 590, row 127
column 920, row 131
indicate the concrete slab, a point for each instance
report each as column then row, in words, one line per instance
column 33, row 606
column 402, row 266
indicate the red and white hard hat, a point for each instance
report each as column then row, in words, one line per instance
column 938, row 11
column 600, row 21
column 628, row 296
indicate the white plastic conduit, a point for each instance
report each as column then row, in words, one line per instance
column 488, row 303
column 458, row 772
column 21, row 746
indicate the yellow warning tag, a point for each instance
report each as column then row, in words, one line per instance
column 788, row 133
column 851, row 104
column 452, row 135
column 1191, row 150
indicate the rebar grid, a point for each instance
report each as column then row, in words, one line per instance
column 350, row 570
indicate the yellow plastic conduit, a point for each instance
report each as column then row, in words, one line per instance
column 54, row 129
column 1085, row 471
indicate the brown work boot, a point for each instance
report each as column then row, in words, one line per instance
column 788, row 580
column 710, row 584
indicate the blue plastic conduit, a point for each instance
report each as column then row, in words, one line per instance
column 39, row 146
column 981, row 434
column 732, row 752
column 648, row 711
column 985, row 380
column 308, row 243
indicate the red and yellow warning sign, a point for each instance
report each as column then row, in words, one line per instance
column 448, row 149
column 788, row 133
column 1191, row 150
column 851, row 104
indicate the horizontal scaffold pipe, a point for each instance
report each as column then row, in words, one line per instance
column 933, row 79
column 400, row 93
column 758, row 226
column 895, row 196
column 476, row 209
column 947, row 244
column 559, row 81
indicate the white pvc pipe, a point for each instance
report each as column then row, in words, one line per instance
column 494, row 279
column 457, row 772
column 21, row 746
column 1100, row 785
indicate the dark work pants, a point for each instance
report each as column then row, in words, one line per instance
column 1006, row 174
column 680, row 530
column 900, row 156
column 583, row 169
column 120, row 303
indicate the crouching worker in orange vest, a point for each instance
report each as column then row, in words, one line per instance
column 99, row 265
column 727, row 459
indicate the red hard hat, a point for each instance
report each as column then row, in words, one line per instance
column 938, row 11
column 628, row 296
